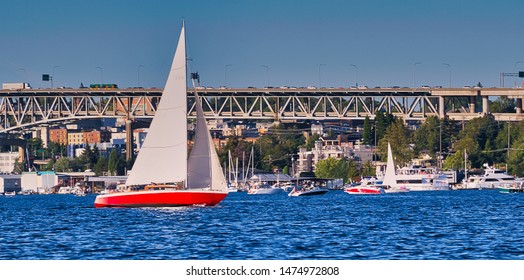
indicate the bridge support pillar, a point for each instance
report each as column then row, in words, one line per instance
column 441, row 109
column 518, row 106
column 21, row 154
column 472, row 100
column 129, row 139
column 485, row 105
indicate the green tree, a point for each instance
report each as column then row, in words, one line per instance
column 95, row 154
column 310, row 142
column 113, row 162
column 34, row 145
column 326, row 168
column 478, row 136
column 502, row 105
column 121, row 166
column 367, row 136
column 380, row 126
column 368, row 169
column 515, row 162
column 86, row 156
column 62, row 165
column 50, row 165
column 516, row 154
column 398, row 136
column 427, row 136
column 336, row 168
column 101, row 166
column 19, row 166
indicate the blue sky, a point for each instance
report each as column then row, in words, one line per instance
column 391, row 43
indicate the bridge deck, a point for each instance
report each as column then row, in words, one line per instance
column 21, row 109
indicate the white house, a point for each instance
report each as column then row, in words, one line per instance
column 39, row 182
column 307, row 160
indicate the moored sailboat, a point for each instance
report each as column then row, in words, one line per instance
column 163, row 175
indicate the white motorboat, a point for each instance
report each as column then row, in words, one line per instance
column 517, row 187
column 65, row 190
column 264, row 188
column 307, row 191
column 491, row 179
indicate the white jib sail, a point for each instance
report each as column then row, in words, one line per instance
column 163, row 155
column 390, row 176
column 204, row 169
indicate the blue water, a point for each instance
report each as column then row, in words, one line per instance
column 418, row 225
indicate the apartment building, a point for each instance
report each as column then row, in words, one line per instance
column 97, row 136
column 307, row 160
column 58, row 135
column 75, row 138
column 7, row 162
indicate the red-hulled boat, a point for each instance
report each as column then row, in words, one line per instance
column 160, row 198
column 367, row 189
column 368, row 185
column 179, row 180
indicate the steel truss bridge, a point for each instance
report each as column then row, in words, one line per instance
column 26, row 109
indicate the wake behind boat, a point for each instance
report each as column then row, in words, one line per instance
column 178, row 180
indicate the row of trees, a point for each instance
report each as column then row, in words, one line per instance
column 90, row 159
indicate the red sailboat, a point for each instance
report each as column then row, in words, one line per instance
column 163, row 175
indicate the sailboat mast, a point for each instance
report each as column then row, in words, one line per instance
column 244, row 165
column 185, row 103
column 229, row 166
column 236, row 173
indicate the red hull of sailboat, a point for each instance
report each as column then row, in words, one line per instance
column 160, row 198
column 364, row 190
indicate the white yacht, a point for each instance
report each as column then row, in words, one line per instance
column 491, row 179
column 420, row 178
column 413, row 178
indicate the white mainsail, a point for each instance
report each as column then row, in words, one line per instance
column 163, row 155
column 390, row 176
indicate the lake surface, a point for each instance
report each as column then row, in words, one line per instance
column 451, row 225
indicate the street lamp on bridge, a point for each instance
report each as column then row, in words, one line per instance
column 356, row 74
column 449, row 66
column 138, row 70
column 319, row 76
column 225, row 73
column 54, row 67
column 414, row 73
column 267, row 73
column 101, row 73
